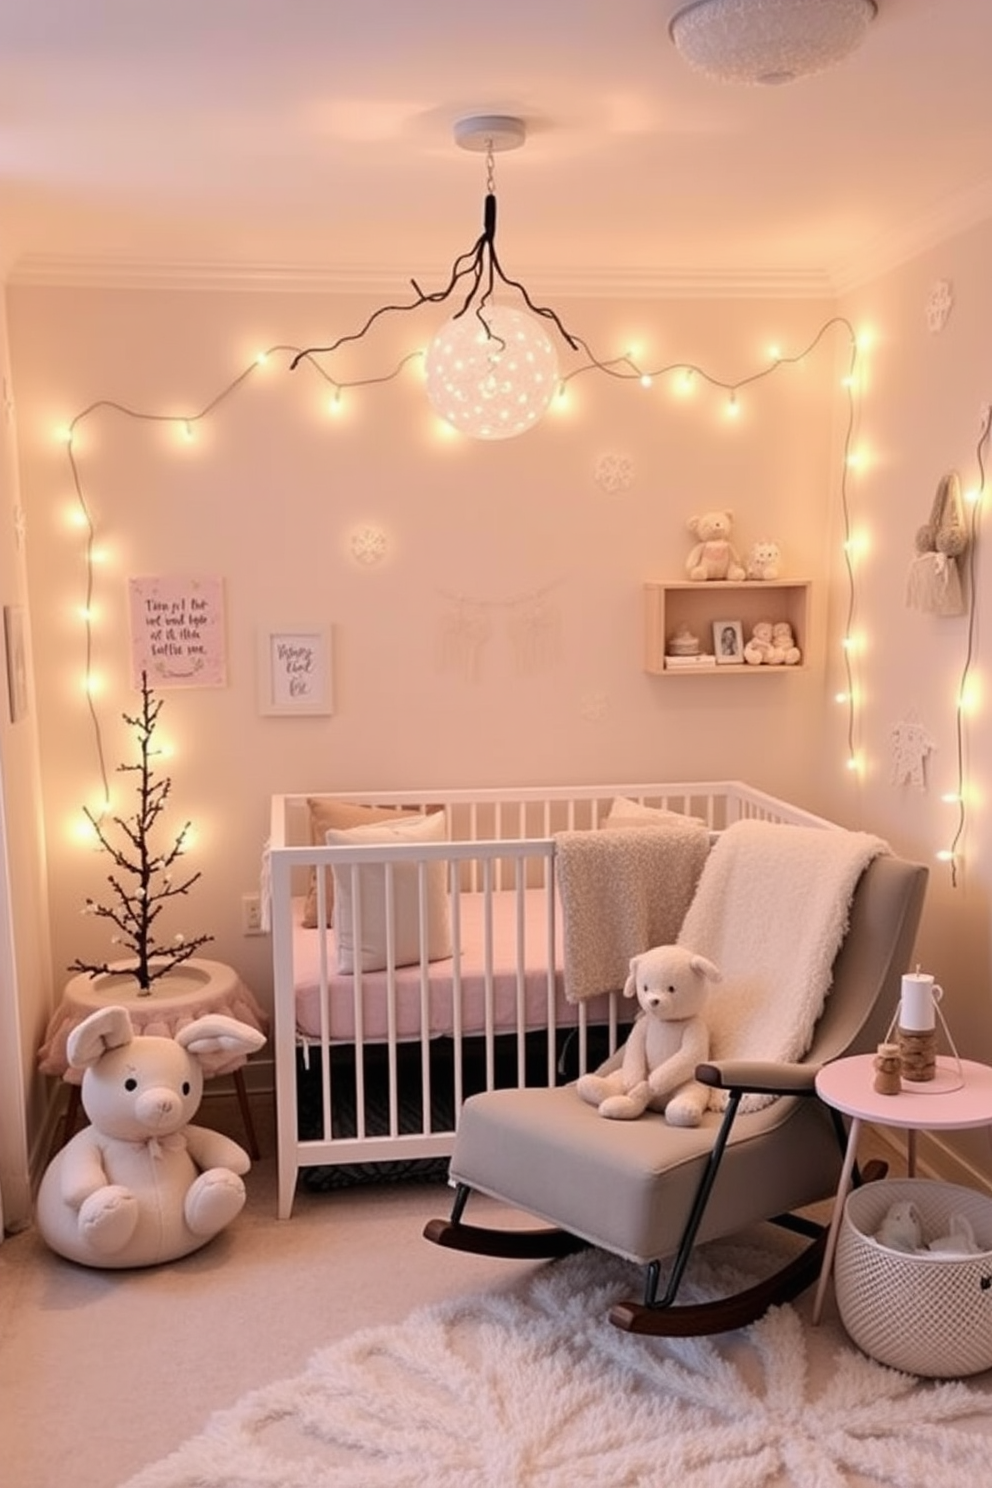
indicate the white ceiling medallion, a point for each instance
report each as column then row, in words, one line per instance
column 768, row 41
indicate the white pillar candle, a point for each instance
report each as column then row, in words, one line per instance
column 916, row 1010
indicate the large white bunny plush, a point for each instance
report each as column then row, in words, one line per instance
column 140, row 1185
column 664, row 1046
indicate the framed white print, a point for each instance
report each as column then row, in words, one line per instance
column 728, row 642
column 17, row 667
column 295, row 670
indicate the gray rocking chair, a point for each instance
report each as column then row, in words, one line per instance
column 649, row 1191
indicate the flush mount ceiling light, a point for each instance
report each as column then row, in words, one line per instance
column 491, row 369
column 768, row 41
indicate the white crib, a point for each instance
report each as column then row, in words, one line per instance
column 388, row 1049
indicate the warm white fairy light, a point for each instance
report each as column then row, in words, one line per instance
column 687, row 377
column 969, row 691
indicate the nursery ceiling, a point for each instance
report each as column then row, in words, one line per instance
column 311, row 142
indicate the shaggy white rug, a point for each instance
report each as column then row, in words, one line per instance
column 531, row 1388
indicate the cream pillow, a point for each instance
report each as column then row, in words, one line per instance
column 372, row 888
column 327, row 813
column 626, row 813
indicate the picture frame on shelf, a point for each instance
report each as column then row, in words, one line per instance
column 728, row 642
column 295, row 670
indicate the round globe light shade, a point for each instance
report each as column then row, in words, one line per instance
column 491, row 380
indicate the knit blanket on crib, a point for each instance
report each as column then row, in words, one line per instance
column 771, row 910
column 622, row 891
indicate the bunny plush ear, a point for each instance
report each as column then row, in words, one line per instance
column 110, row 1028
column 216, row 1032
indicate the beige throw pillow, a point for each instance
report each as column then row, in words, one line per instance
column 327, row 813
column 372, row 955
column 626, row 813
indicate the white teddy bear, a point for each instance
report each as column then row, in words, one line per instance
column 140, row 1185
column 784, row 641
column 764, row 560
column 668, row 1040
column 761, row 648
column 714, row 556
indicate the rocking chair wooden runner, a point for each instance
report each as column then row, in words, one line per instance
column 648, row 1191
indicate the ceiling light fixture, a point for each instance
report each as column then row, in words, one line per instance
column 491, row 369
column 768, row 41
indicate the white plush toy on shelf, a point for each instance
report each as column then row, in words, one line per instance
column 667, row 1042
column 140, row 1185
column 764, row 560
column 784, row 641
column 760, row 648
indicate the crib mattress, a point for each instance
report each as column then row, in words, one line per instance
column 515, row 1002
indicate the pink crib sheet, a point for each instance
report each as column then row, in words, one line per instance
column 440, row 993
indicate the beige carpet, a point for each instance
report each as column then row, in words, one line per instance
column 103, row 1373
column 533, row 1388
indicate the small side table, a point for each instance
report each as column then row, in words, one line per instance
column 941, row 1104
column 192, row 989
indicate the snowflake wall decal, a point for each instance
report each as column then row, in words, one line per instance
column 939, row 305
column 594, row 706
column 614, row 473
column 368, row 545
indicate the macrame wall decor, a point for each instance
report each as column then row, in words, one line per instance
column 934, row 582
column 532, row 623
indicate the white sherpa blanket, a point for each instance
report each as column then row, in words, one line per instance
column 771, row 909
column 623, row 891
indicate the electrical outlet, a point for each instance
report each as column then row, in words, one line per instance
column 251, row 914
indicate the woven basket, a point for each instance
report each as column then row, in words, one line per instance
column 924, row 1314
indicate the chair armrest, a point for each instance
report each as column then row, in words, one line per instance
column 760, row 1077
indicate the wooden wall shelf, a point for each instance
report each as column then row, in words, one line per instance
column 670, row 606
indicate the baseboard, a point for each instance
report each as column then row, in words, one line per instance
column 934, row 1159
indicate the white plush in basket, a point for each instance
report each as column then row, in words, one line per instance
column 927, row 1314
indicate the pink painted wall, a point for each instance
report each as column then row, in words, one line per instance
column 922, row 411
column 269, row 493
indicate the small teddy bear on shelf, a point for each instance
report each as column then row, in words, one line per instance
column 764, row 560
column 668, row 1040
column 784, row 641
column 761, row 649
column 714, row 556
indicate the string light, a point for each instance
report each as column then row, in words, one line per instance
column 848, row 695
column 625, row 367
column 967, row 695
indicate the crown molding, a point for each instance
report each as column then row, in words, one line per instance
column 957, row 215
column 99, row 272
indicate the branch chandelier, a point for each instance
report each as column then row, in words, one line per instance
column 491, row 373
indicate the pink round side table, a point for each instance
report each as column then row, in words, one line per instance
column 960, row 1096
column 195, row 987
